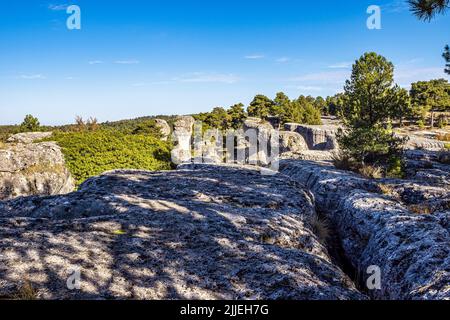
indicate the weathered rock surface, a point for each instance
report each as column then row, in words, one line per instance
column 322, row 137
column 29, row 137
column 182, row 137
column 202, row 232
column 412, row 251
column 33, row 169
column 415, row 142
column 164, row 128
column 292, row 142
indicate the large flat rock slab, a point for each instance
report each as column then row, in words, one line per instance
column 202, row 232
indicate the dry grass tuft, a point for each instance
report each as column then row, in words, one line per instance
column 371, row 172
column 443, row 137
column 27, row 292
column 386, row 189
column 320, row 228
column 342, row 161
column 421, row 209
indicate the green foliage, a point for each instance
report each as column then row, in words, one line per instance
column 148, row 127
column 30, row 124
column 396, row 168
column 128, row 126
column 237, row 116
column 370, row 144
column 427, row 9
column 430, row 96
column 371, row 94
column 446, row 56
column 372, row 100
column 91, row 153
column 335, row 104
column 260, row 107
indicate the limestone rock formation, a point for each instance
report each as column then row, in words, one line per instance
column 182, row 137
column 261, row 135
column 411, row 249
column 201, row 232
column 292, row 142
column 33, row 169
column 415, row 142
column 321, row 137
column 29, row 137
column 164, row 127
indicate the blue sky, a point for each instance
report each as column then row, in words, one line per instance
column 134, row 58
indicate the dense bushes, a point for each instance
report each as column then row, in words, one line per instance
column 91, row 153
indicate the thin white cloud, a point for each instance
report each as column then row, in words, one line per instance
column 95, row 62
column 341, row 65
column 283, row 60
column 396, row 6
column 199, row 77
column 32, row 77
column 310, row 88
column 127, row 62
column 254, row 57
column 324, row 77
column 58, row 7
column 407, row 76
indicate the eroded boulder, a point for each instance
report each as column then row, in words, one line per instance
column 164, row 128
column 320, row 137
column 182, row 137
column 33, row 169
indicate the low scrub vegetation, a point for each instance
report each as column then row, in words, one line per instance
column 91, row 153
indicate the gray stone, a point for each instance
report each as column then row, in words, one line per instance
column 29, row 137
column 33, row 169
column 292, row 142
column 164, row 127
column 321, row 137
column 412, row 250
column 182, row 137
column 202, row 232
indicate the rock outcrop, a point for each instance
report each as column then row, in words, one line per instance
column 182, row 137
column 415, row 142
column 28, row 137
column 164, row 128
column 33, row 169
column 202, row 232
column 292, row 142
column 319, row 138
column 412, row 250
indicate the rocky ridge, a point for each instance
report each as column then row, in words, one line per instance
column 201, row 232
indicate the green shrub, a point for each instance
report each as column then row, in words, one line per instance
column 30, row 124
column 372, row 145
column 89, row 154
column 396, row 168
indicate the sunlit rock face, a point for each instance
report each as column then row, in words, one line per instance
column 28, row 169
column 182, row 137
column 409, row 243
column 201, row 232
column 319, row 138
column 164, row 128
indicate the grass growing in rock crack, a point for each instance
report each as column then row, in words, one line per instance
column 26, row 292
column 320, row 228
